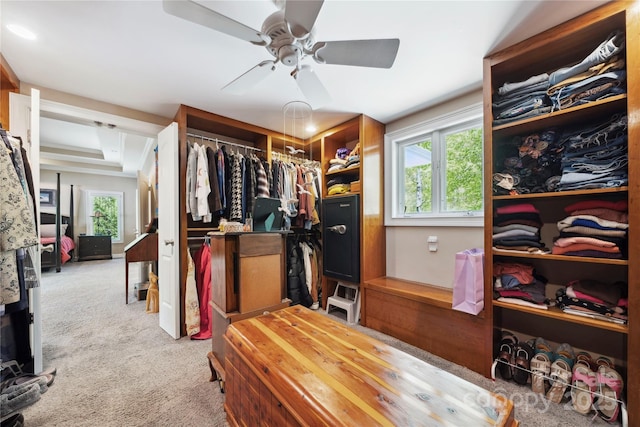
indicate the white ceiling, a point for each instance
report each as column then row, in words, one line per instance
column 133, row 54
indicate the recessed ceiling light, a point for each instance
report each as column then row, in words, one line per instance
column 22, row 31
column 311, row 128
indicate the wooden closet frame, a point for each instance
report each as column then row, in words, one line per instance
column 542, row 51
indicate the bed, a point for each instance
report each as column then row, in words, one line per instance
column 56, row 245
column 49, row 241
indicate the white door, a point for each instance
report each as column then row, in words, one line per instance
column 168, row 247
column 24, row 121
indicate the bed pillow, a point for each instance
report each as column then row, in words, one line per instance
column 49, row 230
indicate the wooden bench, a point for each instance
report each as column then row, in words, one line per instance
column 295, row 367
column 422, row 315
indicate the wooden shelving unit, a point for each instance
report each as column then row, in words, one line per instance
column 562, row 46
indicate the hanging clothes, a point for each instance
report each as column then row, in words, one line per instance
column 191, row 302
column 262, row 180
column 203, row 188
column 191, row 180
column 17, row 220
column 215, row 203
column 236, row 188
column 202, row 260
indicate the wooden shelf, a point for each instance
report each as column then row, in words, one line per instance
column 556, row 313
column 597, row 192
column 355, row 170
column 583, row 113
column 565, row 258
column 341, row 195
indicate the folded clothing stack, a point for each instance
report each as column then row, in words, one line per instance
column 594, row 228
column 519, row 284
column 528, row 164
column 595, row 156
column 599, row 75
column 595, row 299
column 520, row 100
column 516, row 227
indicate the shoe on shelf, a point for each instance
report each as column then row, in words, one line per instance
column 522, row 359
column 561, row 372
column 609, row 385
column 584, row 386
column 506, row 355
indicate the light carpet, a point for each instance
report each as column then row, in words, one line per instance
column 117, row 367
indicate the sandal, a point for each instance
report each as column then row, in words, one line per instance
column 542, row 346
column 540, row 370
column 505, row 355
column 584, row 385
column 560, row 379
column 523, row 355
column 586, row 359
column 610, row 385
column 604, row 361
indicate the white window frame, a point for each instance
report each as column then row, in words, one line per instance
column 119, row 196
column 394, row 171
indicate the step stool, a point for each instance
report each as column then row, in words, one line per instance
column 346, row 297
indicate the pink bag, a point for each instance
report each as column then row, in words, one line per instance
column 468, row 282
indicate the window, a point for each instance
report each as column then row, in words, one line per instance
column 104, row 214
column 436, row 172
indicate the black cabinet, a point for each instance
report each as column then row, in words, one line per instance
column 94, row 247
column 341, row 238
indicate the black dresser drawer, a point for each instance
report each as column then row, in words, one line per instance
column 94, row 247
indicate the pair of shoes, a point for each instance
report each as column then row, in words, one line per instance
column 609, row 386
column 561, row 372
column 514, row 358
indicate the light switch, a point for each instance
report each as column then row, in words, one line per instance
column 432, row 242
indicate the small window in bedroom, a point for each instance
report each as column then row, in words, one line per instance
column 105, row 214
column 436, row 171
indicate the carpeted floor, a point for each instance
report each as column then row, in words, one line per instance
column 116, row 367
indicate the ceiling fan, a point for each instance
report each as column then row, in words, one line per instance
column 288, row 35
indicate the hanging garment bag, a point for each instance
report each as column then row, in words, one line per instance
column 468, row 285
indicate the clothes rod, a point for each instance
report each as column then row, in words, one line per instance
column 220, row 141
column 198, row 238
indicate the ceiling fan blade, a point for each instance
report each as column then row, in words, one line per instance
column 194, row 12
column 377, row 53
column 312, row 87
column 251, row 78
column 301, row 15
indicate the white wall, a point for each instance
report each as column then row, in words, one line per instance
column 408, row 256
column 82, row 182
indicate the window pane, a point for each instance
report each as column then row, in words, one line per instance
column 105, row 216
column 463, row 171
column 417, row 177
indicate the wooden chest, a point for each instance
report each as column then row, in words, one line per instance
column 297, row 367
